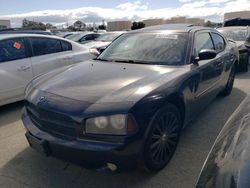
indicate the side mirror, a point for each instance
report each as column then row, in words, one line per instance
column 206, row 54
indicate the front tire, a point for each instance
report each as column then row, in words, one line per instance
column 162, row 138
column 229, row 87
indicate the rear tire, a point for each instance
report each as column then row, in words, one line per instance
column 229, row 87
column 162, row 138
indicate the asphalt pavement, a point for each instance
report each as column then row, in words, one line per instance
column 21, row 166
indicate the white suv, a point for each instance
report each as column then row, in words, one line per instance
column 25, row 56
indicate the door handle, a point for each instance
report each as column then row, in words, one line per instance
column 23, row 68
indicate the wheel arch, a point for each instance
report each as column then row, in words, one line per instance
column 177, row 100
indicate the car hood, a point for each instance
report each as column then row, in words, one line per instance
column 106, row 82
column 96, row 44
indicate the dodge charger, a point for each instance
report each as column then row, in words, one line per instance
column 130, row 104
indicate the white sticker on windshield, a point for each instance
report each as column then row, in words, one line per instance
column 166, row 36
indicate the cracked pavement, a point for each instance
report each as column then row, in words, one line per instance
column 21, row 166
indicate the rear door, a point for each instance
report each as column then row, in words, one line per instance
column 47, row 54
column 15, row 69
column 224, row 57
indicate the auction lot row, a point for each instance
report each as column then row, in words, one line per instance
column 21, row 166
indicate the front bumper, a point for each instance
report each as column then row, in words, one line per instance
column 87, row 153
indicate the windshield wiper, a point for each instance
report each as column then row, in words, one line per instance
column 130, row 61
column 100, row 59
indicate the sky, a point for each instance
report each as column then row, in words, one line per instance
column 59, row 12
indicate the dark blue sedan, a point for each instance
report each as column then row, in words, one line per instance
column 129, row 105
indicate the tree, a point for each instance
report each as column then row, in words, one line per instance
column 212, row 24
column 102, row 27
column 27, row 24
column 49, row 26
column 137, row 25
column 78, row 25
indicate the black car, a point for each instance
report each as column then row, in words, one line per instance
column 129, row 105
column 228, row 163
column 239, row 35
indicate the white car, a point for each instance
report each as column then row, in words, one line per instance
column 104, row 40
column 83, row 37
column 25, row 56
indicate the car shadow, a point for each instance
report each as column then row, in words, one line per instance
column 10, row 113
column 243, row 75
column 30, row 169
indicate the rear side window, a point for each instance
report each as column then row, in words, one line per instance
column 43, row 46
column 66, row 46
column 202, row 41
column 219, row 42
column 12, row 49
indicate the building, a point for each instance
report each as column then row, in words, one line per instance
column 174, row 20
column 4, row 24
column 152, row 22
column 240, row 14
column 183, row 20
column 195, row 21
column 119, row 25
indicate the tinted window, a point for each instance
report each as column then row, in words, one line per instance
column 95, row 36
column 157, row 48
column 42, row 46
column 202, row 41
column 12, row 49
column 66, row 46
column 219, row 42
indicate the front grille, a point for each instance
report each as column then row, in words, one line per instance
column 50, row 121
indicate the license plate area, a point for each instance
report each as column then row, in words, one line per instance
column 40, row 146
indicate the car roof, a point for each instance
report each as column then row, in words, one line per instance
column 172, row 27
column 114, row 32
column 232, row 28
column 8, row 36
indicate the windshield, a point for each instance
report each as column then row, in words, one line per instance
column 236, row 35
column 157, row 48
column 75, row 37
column 108, row 37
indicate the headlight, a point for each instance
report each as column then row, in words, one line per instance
column 94, row 51
column 110, row 125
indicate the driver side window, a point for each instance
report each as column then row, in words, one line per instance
column 202, row 41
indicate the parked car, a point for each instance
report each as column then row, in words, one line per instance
column 65, row 34
column 239, row 35
column 130, row 104
column 228, row 163
column 237, row 22
column 23, row 31
column 100, row 43
column 83, row 37
column 25, row 56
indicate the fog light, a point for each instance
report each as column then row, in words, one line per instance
column 112, row 166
